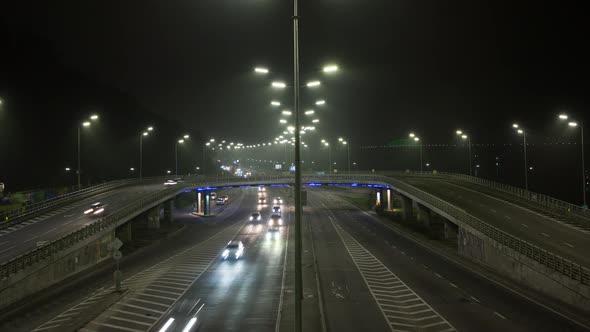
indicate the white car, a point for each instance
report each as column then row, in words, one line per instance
column 255, row 216
column 278, row 200
column 275, row 220
column 213, row 195
column 262, row 200
column 233, row 249
column 276, row 210
column 261, row 189
column 170, row 183
column 184, row 316
column 95, row 209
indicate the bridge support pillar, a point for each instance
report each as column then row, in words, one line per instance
column 153, row 218
column 407, row 208
column 168, row 211
column 124, row 232
column 450, row 230
column 424, row 216
column 203, row 204
column 431, row 222
column 387, row 199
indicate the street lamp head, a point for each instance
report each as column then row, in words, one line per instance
column 67, row 169
column 168, row 172
column 94, row 117
column 309, row 112
column 145, row 133
column 326, row 144
column 278, row 85
column 323, row 141
column 286, row 112
column 563, row 116
column 261, row 70
column 459, row 132
column 283, row 121
column 180, row 141
column 412, row 135
column 514, row 125
column 86, row 124
column 275, row 103
column 416, row 139
column 208, row 143
column 212, row 140
column 313, row 84
column 572, row 124
column 320, row 102
column 464, row 136
column 315, row 120
column 186, row 136
column 344, row 142
column 340, row 139
column 520, row 131
column 150, row 128
column 132, row 169
column 330, row 69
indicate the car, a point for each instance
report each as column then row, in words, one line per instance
column 275, row 220
column 255, row 216
column 213, row 195
column 272, row 232
column 225, row 197
column 261, row 200
column 178, row 180
column 276, row 210
column 278, row 200
column 170, row 182
column 96, row 209
column 184, row 316
column 220, row 201
column 233, row 249
column 261, row 189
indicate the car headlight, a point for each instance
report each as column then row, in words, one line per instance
column 88, row 211
column 280, row 221
column 258, row 218
column 251, row 218
column 99, row 211
column 225, row 253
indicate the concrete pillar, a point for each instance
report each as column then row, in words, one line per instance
column 168, row 211
column 450, row 230
column 407, row 208
column 203, row 204
column 153, row 218
column 424, row 216
column 124, row 232
column 388, row 199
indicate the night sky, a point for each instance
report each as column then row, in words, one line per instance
column 186, row 66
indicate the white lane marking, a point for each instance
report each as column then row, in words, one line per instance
column 31, row 239
column 280, row 309
column 2, row 243
column 499, row 315
column 49, row 231
column 494, row 211
column 475, row 299
column 546, row 235
column 567, row 244
column 5, row 250
column 438, row 275
column 452, row 284
column 508, row 217
column 525, row 225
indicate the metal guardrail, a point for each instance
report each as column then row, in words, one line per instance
column 549, row 202
column 552, row 261
column 19, row 212
column 110, row 221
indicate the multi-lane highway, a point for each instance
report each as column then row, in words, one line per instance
column 547, row 233
column 55, row 223
column 369, row 277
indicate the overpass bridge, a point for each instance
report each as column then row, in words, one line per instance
column 486, row 219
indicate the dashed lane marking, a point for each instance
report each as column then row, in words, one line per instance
column 508, row 217
column 151, row 292
column 567, row 244
column 545, row 235
column 525, row 225
column 402, row 308
column 499, row 315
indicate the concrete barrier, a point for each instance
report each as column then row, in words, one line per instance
column 54, row 269
column 507, row 262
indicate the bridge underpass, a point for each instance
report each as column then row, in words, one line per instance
column 327, row 182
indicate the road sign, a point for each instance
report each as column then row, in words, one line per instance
column 117, row 255
column 116, row 244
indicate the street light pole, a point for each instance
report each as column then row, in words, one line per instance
column 421, row 164
column 526, row 176
column 140, row 156
column 78, row 170
column 298, row 209
column 469, row 150
column 583, row 167
column 176, row 157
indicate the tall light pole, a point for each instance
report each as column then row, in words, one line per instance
column 145, row 133
column 345, row 143
column 327, row 145
column 574, row 124
column 180, row 141
column 526, row 175
column 468, row 138
column 417, row 140
column 93, row 117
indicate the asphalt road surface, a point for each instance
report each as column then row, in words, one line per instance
column 53, row 224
